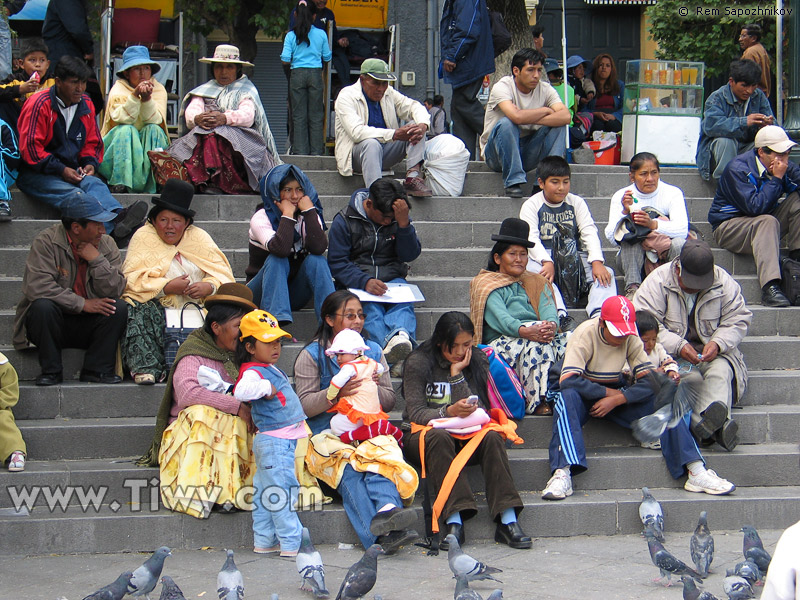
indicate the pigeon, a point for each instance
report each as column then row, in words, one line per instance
column 170, row 590
column 701, row 546
column 230, row 584
column 747, row 569
column 496, row 595
column 651, row 514
column 464, row 564
column 673, row 401
column 113, row 591
column 361, row 577
column 691, row 592
column 145, row 578
column 737, row 588
column 310, row 567
column 666, row 562
column 753, row 549
column 274, row 597
column 463, row 591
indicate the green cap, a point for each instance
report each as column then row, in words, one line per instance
column 377, row 69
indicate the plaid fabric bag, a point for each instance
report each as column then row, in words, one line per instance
column 179, row 324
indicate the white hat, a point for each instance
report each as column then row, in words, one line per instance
column 774, row 138
column 347, row 341
column 225, row 53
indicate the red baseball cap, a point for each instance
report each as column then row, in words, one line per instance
column 619, row 316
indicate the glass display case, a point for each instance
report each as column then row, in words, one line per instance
column 662, row 109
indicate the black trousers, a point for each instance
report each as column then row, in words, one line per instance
column 51, row 329
column 467, row 113
column 441, row 449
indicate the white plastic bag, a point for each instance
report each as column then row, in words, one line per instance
column 446, row 160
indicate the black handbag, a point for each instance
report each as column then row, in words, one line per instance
column 175, row 336
column 629, row 232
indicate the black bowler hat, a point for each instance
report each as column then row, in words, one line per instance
column 514, row 231
column 176, row 196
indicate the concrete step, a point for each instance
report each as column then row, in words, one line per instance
column 607, row 512
column 771, row 352
column 69, row 439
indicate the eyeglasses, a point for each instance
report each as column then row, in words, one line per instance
column 351, row 316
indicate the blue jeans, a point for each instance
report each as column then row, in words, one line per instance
column 572, row 412
column 53, row 190
column 274, row 293
column 363, row 494
column 384, row 320
column 513, row 155
column 274, row 518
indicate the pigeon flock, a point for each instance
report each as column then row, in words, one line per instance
column 361, row 577
column 738, row 582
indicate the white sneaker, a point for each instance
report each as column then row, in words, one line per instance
column 709, row 482
column 16, row 462
column 397, row 349
column 559, row 486
column 654, row 445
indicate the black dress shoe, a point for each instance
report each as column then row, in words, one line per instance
column 95, row 377
column 49, row 379
column 455, row 529
column 130, row 219
column 771, row 295
column 512, row 535
column 514, row 191
column 727, row 435
column 394, row 519
column 394, row 540
column 713, row 418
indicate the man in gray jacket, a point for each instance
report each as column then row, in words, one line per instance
column 71, row 295
column 703, row 318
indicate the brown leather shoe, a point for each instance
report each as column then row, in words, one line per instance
column 414, row 186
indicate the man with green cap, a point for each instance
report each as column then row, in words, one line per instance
column 369, row 138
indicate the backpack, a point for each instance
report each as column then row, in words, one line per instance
column 501, row 36
column 790, row 279
column 10, row 156
column 505, row 390
column 570, row 276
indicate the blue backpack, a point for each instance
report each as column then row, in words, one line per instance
column 9, row 149
column 505, row 390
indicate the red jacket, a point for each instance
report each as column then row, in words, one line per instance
column 44, row 143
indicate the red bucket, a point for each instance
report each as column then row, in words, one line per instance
column 604, row 154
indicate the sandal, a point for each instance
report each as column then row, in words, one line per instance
column 16, row 462
column 144, row 379
column 543, row 410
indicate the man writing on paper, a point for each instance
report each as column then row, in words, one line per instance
column 369, row 244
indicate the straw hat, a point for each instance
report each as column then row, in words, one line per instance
column 225, row 53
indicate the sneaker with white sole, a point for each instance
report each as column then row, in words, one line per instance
column 708, row 482
column 559, row 486
column 397, row 349
column 16, row 462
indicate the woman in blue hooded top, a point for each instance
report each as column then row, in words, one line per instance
column 287, row 243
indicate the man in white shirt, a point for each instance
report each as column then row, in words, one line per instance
column 524, row 121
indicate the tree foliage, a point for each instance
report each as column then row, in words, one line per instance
column 710, row 38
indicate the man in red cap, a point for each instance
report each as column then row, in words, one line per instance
column 592, row 385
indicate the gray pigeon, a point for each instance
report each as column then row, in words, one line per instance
column 701, row 546
column 464, row 564
column 145, row 578
column 673, row 401
column 651, row 514
column 737, row 588
column 463, row 591
column 230, row 584
column 747, row 569
column 361, row 577
column 274, row 597
column 170, row 590
column 496, row 595
column 691, row 592
column 753, row 549
column 113, row 591
column 666, row 562
column 310, row 567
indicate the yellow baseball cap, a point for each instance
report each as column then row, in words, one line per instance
column 262, row 326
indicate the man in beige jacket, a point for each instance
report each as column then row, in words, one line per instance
column 703, row 318
column 369, row 138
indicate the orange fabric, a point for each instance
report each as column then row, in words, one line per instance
column 499, row 423
column 344, row 407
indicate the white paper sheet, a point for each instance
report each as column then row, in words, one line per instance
column 397, row 293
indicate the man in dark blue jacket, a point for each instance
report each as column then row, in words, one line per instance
column 369, row 244
column 467, row 56
column 747, row 214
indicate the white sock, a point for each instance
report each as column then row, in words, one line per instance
column 386, row 507
column 696, row 467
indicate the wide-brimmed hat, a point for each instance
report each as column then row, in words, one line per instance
column 619, row 316
column 262, row 326
column 697, row 265
column 176, row 196
column 85, row 206
column 514, row 231
column 232, row 293
column 136, row 56
column 225, row 53
column 551, row 64
column 576, row 59
column 377, row 69
column 347, row 341
column 774, row 138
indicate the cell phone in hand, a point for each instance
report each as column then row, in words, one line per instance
column 472, row 400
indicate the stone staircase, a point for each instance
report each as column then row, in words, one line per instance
column 81, row 437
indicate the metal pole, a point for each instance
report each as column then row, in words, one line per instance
column 564, row 66
column 779, row 60
column 791, row 121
